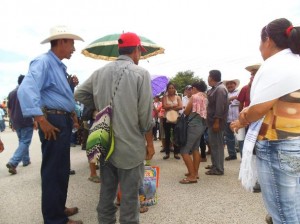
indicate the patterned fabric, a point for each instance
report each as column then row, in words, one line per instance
column 283, row 121
column 101, row 139
column 200, row 104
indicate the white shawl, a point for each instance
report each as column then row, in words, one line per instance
column 278, row 76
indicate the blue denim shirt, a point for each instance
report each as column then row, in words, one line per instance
column 45, row 85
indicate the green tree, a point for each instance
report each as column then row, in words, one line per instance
column 182, row 79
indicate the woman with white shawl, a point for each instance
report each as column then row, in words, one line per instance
column 274, row 123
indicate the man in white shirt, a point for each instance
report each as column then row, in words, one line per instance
column 233, row 114
column 187, row 94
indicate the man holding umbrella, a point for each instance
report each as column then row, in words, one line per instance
column 132, row 124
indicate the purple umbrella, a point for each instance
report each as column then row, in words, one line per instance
column 158, row 84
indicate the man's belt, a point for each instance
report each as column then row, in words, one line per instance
column 54, row 111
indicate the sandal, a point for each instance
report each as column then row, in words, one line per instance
column 94, row 179
column 187, row 174
column 187, row 181
column 144, row 209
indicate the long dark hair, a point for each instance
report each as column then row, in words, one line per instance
column 283, row 33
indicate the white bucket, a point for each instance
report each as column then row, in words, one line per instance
column 240, row 135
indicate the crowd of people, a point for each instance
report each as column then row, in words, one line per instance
column 46, row 99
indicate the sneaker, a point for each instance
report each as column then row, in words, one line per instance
column 11, row 169
column 27, row 164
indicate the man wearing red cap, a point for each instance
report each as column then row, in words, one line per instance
column 132, row 124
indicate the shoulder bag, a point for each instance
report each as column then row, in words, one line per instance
column 180, row 130
column 101, row 140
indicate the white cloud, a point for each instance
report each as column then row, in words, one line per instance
column 197, row 35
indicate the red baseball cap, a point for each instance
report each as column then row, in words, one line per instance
column 130, row 40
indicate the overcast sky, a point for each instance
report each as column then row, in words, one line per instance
column 197, row 35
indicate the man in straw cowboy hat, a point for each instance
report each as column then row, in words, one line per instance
column 233, row 114
column 244, row 95
column 46, row 95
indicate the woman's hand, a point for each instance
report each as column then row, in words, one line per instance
column 242, row 117
column 236, row 125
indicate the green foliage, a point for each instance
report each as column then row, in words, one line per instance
column 182, row 79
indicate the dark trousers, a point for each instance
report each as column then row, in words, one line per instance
column 155, row 129
column 168, row 128
column 55, row 170
column 203, row 147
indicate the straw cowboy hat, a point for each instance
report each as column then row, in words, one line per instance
column 61, row 32
column 236, row 81
column 250, row 68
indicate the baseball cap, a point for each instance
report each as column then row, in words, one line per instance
column 130, row 40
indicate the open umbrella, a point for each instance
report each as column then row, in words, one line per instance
column 158, row 84
column 106, row 48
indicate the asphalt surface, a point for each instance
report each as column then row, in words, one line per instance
column 213, row 200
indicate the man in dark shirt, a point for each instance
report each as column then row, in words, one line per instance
column 216, row 119
column 24, row 129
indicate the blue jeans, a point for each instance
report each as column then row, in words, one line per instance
column 2, row 125
column 278, row 165
column 22, row 152
column 230, row 140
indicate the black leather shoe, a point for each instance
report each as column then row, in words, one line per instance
column 166, row 156
column 256, row 188
column 228, row 158
column 72, row 172
column 74, row 221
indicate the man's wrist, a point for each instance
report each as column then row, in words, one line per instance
column 39, row 119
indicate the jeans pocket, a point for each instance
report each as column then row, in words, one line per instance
column 260, row 150
column 289, row 162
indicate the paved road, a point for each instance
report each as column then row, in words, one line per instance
column 213, row 200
